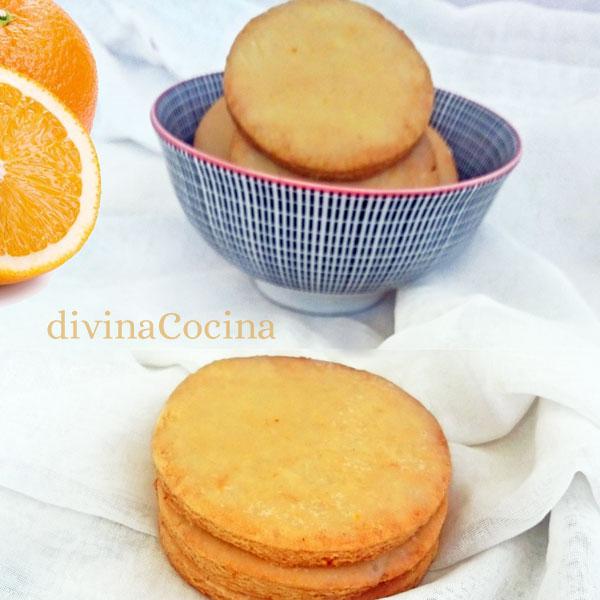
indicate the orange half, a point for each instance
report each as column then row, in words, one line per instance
column 49, row 180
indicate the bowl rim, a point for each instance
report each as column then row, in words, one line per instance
column 331, row 188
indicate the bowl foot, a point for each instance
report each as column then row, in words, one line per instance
column 319, row 304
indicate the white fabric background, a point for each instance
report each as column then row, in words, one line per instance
column 503, row 345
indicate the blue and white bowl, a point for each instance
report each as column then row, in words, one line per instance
column 333, row 249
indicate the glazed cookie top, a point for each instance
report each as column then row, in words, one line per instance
column 299, row 461
column 328, row 88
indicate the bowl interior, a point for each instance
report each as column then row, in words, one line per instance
column 482, row 141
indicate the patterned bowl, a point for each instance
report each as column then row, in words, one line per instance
column 333, row 249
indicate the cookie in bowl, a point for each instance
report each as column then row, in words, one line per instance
column 444, row 159
column 303, row 204
column 215, row 131
column 416, row 170
column 330, row 89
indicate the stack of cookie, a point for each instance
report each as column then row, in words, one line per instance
column 285, row 478
column 328, row 90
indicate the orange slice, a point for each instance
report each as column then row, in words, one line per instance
column 49, row 180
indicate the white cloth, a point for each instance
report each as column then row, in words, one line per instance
column 503, row 345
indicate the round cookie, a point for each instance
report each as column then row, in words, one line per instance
column 246, row 573
column 190, row 573
column 405, row 582
column 194, row 576
column 244, row 154
column 416, row 170
column 332, row 90
column 215, row 131
column 446, row 167
column 301, row 462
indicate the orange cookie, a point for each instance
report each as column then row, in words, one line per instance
column 244, row 154
column 402, row 583
column 239, row 570
column 301, row 462
column 198, row 579
column 190, row 573
column 446, row 167
column 416, row 170
column 330, row 89
column 215, row 131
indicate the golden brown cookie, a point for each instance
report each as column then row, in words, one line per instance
column 402, row 583
column 301, row 462
column 198, row 579
column 328, row 88
column 245, row 154
column 215, row 131
column 446, row 166
column 190, row 573
column 241, row 571
column 416, row 170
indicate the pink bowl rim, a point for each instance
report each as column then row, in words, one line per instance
column 330, row 188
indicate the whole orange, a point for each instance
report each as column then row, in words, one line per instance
column 40, row 40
